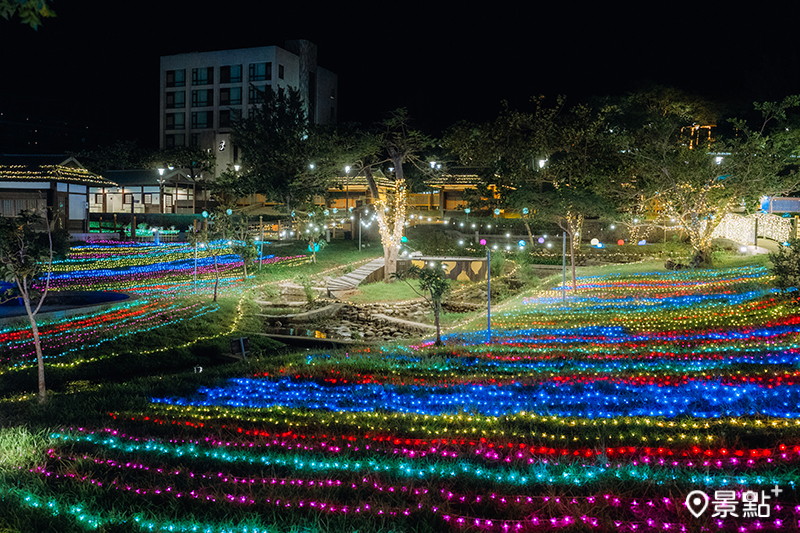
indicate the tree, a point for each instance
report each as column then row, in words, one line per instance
column 122, row 155
column 311, row 226
column 545, row 164
column 698, row 184
column 25, row 255
column 245, row 246
column 278, row 145
column 509, row 153
column 392, row 147
column 30, row 12
column 786, row 269
column 213, row 236
column 432, row 280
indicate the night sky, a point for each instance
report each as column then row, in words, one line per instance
column 97, row 62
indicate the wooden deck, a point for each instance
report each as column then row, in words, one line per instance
column 372, row 271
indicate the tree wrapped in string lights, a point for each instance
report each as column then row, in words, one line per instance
column 393, row 147
column 697, row 182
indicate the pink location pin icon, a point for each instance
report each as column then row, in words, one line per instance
column 697, row 502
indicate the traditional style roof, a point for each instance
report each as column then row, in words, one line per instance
column 147, row 177
column 360, row 181
column 48, row 168
column 458, row 177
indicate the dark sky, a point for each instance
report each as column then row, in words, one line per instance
column 98, row 61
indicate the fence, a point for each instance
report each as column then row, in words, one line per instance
column 743, row 229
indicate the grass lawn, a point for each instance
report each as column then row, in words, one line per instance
column 601, row 413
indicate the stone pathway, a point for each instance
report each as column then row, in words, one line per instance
column 351, row 280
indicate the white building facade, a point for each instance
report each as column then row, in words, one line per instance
column 202, row 93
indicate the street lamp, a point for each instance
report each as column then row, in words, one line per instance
column 347, row 188
column 488, row 291
column 161, row 181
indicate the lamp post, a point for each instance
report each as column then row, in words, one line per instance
column 161, row 181
column 260, row 241
column 564, row 266
column 488, row 291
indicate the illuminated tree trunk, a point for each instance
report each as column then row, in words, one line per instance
column 574, row 227
column 391, row 215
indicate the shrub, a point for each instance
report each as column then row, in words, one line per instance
column 786, row 267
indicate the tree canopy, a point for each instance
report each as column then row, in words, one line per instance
column 30, row 12
column 278, row 147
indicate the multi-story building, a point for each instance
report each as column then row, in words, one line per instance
column 202, row 93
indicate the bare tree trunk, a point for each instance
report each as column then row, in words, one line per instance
column 38, row 345
column 530, row 235
column 437, row 309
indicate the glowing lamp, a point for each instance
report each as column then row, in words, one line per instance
column 483, row 242
column 620, row 242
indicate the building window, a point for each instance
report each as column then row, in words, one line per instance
column 136, row 198
column 280, row 71
column 176, row 121
column 202, row 120
column 260, row 71
column 176, row 100
column 171, row 140
column 203, row 98
column 176, row 78
column 257, row 95
column 195, row 139
column 230, row 96
column 228, row 116
column 203, row 76
column 230, row 74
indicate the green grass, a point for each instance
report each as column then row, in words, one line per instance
column 85, row 394
column 19, row 447
column 383, row 292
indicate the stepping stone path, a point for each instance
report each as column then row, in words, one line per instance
column 351, row 280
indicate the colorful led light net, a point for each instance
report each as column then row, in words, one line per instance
column 601, row 413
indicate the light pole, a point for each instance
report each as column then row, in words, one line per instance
column 488, row 291
column 260, row 241
column 564, row 266
column 161, row 181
